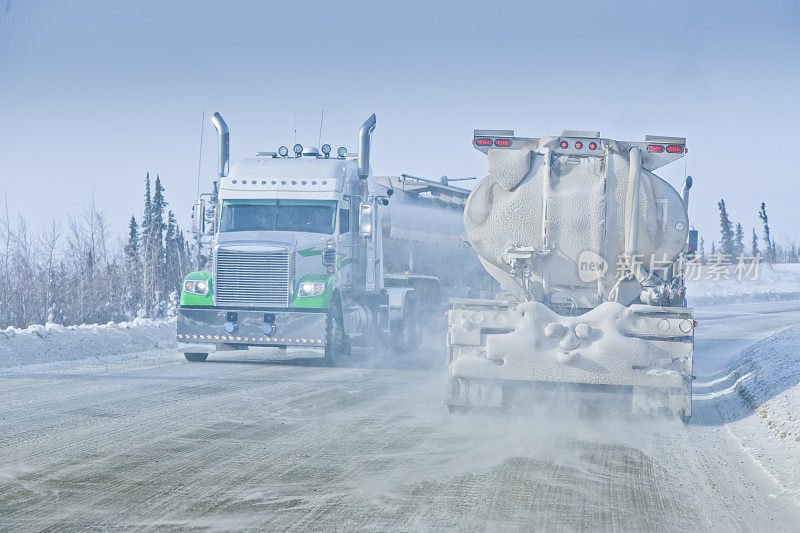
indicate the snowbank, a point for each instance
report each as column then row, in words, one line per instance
column 768, row 380
column 51, row 343
column 759, row 402
column 764, row 380
column 775, row 282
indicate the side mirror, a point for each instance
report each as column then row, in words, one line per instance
column 199, row 217
column 389, row 192
column 365, row 216
column 691, row 245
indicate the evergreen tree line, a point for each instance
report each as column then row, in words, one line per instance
column 734, row 244
column 78, row 273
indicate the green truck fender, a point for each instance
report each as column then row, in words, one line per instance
column 192, row 299
column 322, row 301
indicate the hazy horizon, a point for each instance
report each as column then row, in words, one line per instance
column 95, row 95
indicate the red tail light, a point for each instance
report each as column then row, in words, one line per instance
column 675, row 149
column 578, row 145
column 483, row 142
column 592, row 145
column 655, row 148
column 564, row 144
column 502, row 142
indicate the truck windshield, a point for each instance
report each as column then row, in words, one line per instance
column 312, row 216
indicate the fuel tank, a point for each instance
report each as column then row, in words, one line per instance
column 423, row 229
column 562, row 207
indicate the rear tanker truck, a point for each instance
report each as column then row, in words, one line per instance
column 588, row 245
column 310, row 249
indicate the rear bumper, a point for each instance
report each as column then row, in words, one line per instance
column 198, row 326
column 639, row 348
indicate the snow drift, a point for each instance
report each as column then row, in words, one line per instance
column 51, row 343
column 768, row 380
column 764, row 379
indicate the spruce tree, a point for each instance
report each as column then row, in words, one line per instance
column 754, row 245
column 147, row 202
column 738, row 244
column 132, row 246
column 726, row 243
column 174, row 258
column 157, row 227
column 146, row 240
column 133, row 268
column 769, row 246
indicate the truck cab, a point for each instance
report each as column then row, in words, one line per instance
column 294, row 253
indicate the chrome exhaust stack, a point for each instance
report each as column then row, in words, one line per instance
column 364, row 142
column 224, row 143
column 632, row 203
column 685, row 192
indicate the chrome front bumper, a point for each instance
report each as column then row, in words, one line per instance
column 291, row 328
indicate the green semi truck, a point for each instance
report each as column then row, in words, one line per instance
column 310, row 249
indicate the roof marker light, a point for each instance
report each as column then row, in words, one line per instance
column 675, row 149
column 592, row 145
column 502, row 142
column 298, row 149
column 483, row 142
column 655, row 148
column 578, row 145
column 326, row 149
column 342, row 152
column 564, row 144
column 283, row 151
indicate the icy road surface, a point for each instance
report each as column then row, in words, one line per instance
column 249, row 441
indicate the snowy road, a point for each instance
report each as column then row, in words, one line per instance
column 247, row 441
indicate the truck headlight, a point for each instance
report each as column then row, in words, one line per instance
column 311, row 288
column 196, row 286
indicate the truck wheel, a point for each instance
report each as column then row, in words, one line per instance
column 195, row 357
column 407, row 334
column 335, row 341
column 414, row 323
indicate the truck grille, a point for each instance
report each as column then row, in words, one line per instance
column 253, row 279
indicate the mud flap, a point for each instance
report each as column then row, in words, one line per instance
column 669, row 402
column 473, row 392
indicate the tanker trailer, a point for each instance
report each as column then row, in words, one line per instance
column 588, row 245
column 424, row 253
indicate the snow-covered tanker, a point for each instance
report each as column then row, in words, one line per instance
column 589, row 246
column 310, row 249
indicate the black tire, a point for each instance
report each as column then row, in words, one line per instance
column 407, row 334
column 195, row 357
column 415, row 325
column 336, row 342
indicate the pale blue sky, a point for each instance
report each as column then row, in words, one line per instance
column 94, row 94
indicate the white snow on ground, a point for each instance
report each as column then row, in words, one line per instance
column 757, row 396
column 773, row 282
column 51, row 344
column 373, row 444
column 765, row 378
column 768, row 380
